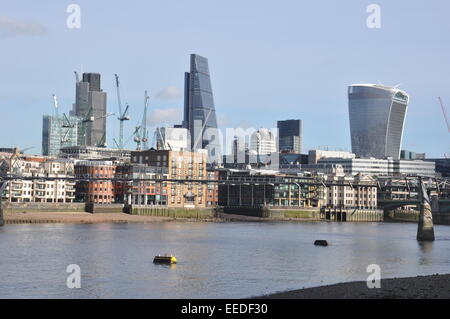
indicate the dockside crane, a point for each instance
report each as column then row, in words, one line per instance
column 123, row 116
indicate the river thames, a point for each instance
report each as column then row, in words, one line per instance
column 215, row 260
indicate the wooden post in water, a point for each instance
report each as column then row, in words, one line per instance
column 425, row 230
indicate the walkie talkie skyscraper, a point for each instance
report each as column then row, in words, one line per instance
column 377, row 116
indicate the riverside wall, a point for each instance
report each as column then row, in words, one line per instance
column 207, row 213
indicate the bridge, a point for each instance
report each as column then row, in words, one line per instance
column 393, row 191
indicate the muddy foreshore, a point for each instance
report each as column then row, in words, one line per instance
column 421, row 287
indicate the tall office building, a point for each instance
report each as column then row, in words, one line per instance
column 263, row 142
column 58, row 132
column 90, row 102
column 377, row 116
column 290, row 136
column 199, row 111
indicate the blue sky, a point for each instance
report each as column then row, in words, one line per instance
column 269, row 60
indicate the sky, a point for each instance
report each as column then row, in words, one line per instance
column 269, row 61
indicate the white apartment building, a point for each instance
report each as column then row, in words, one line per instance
column 354, row 194
column 38, row 190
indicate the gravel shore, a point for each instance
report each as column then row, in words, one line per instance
column 421, row 287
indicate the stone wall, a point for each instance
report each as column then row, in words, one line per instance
column 44, row 207
column 104, row 208
column 163, row 211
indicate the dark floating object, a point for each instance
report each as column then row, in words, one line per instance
column 321, row 243
column 165, row 259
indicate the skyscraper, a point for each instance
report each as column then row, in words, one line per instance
column 290, row 136
column 199, row 111
column 90, row 102
column 377, row 116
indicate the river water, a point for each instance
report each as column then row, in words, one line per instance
column 215, row 260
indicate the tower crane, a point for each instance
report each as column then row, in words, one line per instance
column 123, row 116
column 89, row 119
column 77, row 78
column 445, row 113
column 141, row 131
column 144, row 129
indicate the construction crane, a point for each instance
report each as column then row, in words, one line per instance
column 141, row 131
column 68, row 126
column 77, row 78
column 445, row 113
column 123, row 116
column 89, row 119
column 144, row 129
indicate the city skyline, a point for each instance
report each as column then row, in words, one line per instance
column 275, row 82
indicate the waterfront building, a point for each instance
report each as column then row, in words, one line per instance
column 22, row 190
column 199, row 110
column 377, row 167
column 212, row 188
column 90, row 103
column 377, row 116
column 261, row 187
column 290, row 136
column 172, row 138
column 39, row 191
column 183, row 166
column 94, row 153
column 358, row 191
column 137, row 190
column 60, row 131
column 95, row 191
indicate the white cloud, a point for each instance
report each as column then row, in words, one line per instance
column 11, row 27
column 170, row 93
column 160, row 117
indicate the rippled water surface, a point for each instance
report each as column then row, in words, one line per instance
column 215, row 260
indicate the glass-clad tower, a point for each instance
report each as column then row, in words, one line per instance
column 377, row 116
column 199, row 111
column 58, row 132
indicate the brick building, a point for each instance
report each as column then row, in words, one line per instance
column 95, row 191
column 183, row 166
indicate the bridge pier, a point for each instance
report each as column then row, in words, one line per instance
column 425, row 230
column 2, row 221
column 2, row 188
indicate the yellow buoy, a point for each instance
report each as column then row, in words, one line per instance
column 166, row 259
